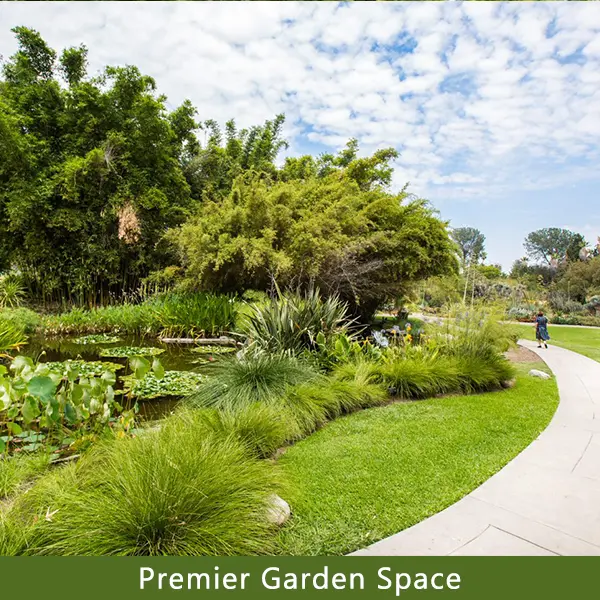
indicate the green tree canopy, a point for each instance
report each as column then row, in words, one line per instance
column 90, row 174
column 581, row 279
column 365, row 245
column 471, row 244
column 553, row 245
column 213, row 169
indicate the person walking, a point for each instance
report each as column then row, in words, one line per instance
column 541, row 329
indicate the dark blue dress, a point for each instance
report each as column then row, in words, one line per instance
column 541, row 330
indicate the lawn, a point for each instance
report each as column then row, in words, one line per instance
column 376, row 472
column 579, row 339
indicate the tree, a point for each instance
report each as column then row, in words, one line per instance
column 581, row 280
column 90, row 172
column 471, row 244
column 365, row 245
column 368, row 172
column 553, row 246
column 213, row 169
column 491, row 272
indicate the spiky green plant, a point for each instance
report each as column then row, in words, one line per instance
column 11, row 336
column 291, row 321
column 12, row 291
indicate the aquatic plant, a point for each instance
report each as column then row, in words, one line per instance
column 172, row 383
column 98, row 338
column 128, row 351
column 39, row 405
column 85, row 368
column 214, row 349
column 195, row 314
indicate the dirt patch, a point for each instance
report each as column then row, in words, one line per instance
column 522, row 355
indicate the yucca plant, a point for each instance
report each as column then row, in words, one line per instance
column 291, row 322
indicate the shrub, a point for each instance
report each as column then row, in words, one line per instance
column 254, row 378
column 588, row 321
column 175, row 491
column 520, row 313
column 560, row 303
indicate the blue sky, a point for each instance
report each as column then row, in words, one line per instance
column 494, row 107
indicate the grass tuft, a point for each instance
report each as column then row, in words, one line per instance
column 180, row 490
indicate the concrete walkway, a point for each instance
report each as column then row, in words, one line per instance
column 544, row 502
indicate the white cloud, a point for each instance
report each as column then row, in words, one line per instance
column 511, row 115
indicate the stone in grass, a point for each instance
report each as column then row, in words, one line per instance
column 278, row 511
column 540, row 374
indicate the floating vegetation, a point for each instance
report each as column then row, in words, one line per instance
column 94, row 368
column 173, row 383
column 98, row 338
column 128, row 351
column 214, row 349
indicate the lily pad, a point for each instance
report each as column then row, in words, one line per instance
column 214, row 349
column 99, row 338
column 173, row 383
column 127, row 351
column 93, row 368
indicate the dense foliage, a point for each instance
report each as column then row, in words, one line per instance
column 363, row 245
column 90, row 172
column 94, row 171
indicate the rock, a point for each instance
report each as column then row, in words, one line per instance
column 540, row 374
column 510, row 383
column 279, row 510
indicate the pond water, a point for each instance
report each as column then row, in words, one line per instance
column 176, row 357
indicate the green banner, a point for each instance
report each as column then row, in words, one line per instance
column 289, row 577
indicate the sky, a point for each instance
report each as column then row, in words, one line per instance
column 493, row 106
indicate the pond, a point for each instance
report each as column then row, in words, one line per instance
column 174, row 357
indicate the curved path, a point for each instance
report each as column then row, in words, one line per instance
column 546, row 501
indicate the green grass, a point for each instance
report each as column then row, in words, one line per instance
column 373, row 473
column 18, row 470
column 178, row 490
column 581, row 340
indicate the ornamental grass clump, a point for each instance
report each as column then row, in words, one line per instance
column 179, row 490
column 253, row 378
column 260, row 428
column 11, row 336
column 420, row 376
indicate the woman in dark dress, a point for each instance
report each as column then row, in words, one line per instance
column 541, row 330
